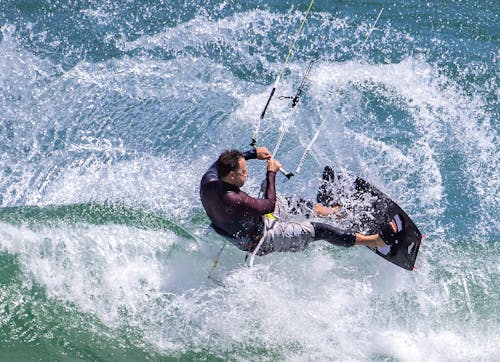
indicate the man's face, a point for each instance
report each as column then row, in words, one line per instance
column 240, row 175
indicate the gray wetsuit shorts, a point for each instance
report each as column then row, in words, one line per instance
column 284, row 232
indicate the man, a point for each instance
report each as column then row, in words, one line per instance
column 246, row 220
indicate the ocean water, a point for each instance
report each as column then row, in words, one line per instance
column 110, row 112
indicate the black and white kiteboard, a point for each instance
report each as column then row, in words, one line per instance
column 367, row 209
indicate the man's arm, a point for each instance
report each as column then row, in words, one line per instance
column 250, row 154
column 245, row 205
column 262, row 153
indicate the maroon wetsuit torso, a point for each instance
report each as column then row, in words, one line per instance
column 233, row 212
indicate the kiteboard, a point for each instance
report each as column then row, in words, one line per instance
column 366, row 209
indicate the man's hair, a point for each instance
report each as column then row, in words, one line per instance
column 228, row 161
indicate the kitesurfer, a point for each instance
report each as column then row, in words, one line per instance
column 246, row 220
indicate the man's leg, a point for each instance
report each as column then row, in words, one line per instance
column 340, row 237
column 333, row 235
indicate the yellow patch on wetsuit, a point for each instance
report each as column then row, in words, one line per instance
column 271, row 216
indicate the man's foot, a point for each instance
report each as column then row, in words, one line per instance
column 372, row 241
column 389, row 232
column 387, row 236
column 326, row 211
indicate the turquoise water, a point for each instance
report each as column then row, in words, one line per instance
column 111, row 111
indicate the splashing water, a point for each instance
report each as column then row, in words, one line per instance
column 110, row 114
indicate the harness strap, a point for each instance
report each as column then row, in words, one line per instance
column 251, row 256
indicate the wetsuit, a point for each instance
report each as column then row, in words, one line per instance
column 232, row 211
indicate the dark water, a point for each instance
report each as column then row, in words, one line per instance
column 111, row 111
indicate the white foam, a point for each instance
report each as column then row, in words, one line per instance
column 318, row 305
column 314, row 305
column 102, row 269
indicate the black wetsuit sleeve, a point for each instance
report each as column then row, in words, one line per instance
column 270, row 193
column 245, row 205
column 250, row 154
